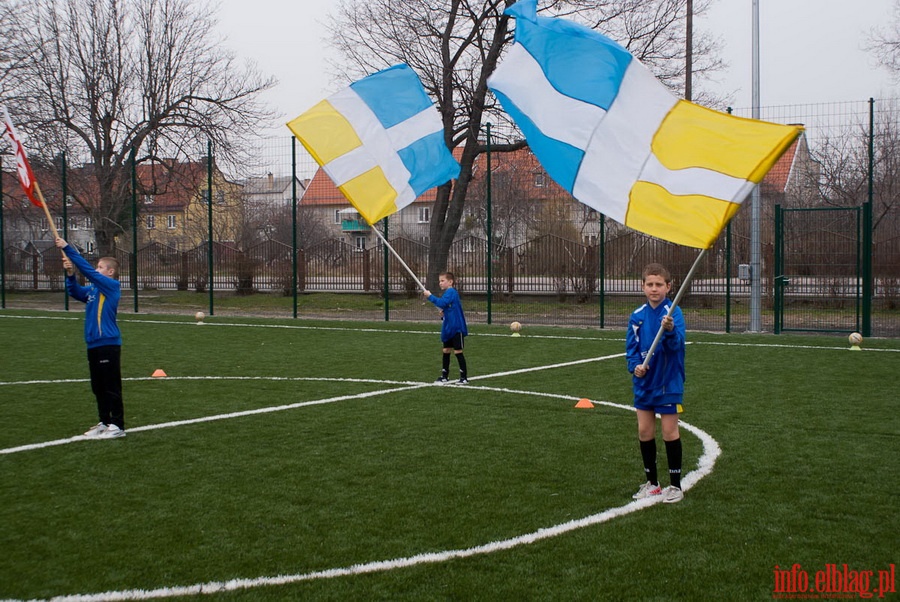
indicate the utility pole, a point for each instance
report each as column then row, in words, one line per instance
column 755, row 246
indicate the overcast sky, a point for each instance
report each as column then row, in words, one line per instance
column 811, row 51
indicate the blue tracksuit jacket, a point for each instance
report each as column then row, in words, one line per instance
column 101, row 297
column 666, row 367
column 454, row 319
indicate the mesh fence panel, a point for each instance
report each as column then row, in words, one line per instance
column 552, row 260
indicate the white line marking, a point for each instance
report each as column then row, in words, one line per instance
column 432, row 332
column 711, row 452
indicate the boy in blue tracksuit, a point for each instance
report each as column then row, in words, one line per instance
column 101, row 333
column 453, row 328
column 658, row 388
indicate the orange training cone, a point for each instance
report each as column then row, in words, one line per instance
column 158, row 373
column 584, row 402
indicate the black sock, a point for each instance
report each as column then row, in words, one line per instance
column 461, row 360
column 648, row 453
column 445, row 361
column 673, row 454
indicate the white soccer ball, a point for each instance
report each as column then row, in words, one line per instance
column 199, row 316
column 515, row 326
column 855, row 338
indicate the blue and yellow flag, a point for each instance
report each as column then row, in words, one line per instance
column 610, row 133
column 380, row 140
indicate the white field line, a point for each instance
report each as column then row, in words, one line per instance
column 407, row 385
column 266, row 410
column 433, row 332
column 711, row 452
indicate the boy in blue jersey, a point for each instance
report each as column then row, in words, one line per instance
column 101, row 333
column 658, row 388
column 453, row 328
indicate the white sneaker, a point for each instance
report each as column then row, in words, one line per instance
column 672, row 495
column 96, row 430
column 648, row 489
column 112, row 432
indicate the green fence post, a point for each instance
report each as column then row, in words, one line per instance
column 65, row 214
column 779, row 269
column 209, row 201
column 134, row 229
column 728, row 268
column 387, row 267
column 859, row 260
column 602, row 271
column 489, row 232
column 294, row 220
column 868, row 282
column 2, row 245
column 728, row 278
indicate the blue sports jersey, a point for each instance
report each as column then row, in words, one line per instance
column 101, row 297
column 454, row 319
column 666, row 368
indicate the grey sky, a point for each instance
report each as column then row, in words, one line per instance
column 810, row 50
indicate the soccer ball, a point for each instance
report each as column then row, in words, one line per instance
column 199, row 316
column 855, row 338
column 515, row 327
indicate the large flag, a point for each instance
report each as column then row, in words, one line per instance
column 612, row 135
column 23, row 169
column 380, row 140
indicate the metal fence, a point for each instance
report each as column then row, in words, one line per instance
column 550, row 263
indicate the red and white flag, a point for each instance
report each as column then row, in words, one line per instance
column 23, row 169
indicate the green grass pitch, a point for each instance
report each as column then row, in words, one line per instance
column 219, row 483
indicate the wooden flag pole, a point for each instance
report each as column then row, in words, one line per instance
column 53, row 229
column 397, row 255
column 40, row 195
column 678, row 295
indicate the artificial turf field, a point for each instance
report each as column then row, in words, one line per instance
column 300, row 460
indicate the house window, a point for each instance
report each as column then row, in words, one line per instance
column 220, row 197
column 59, row 223
column 171, row 222
column 73, row 223
column 337, row 216
column 88, row 222
column 43, row 224
column 148, row 199
column 89, row 247
column 539, row 179
column 204, row 198
column 360, row 243
column 70, row 200
column 424, row 215
column 151, row 222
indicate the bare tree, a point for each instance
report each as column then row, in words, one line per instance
column 884, row 43
column 14, row 54
column 454, row 46
column 842, row 167
column 110, row 76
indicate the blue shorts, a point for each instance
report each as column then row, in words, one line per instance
column 660, row 404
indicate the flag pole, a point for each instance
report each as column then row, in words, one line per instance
column 397, row 255
column 53, row 229
column 678, row 295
